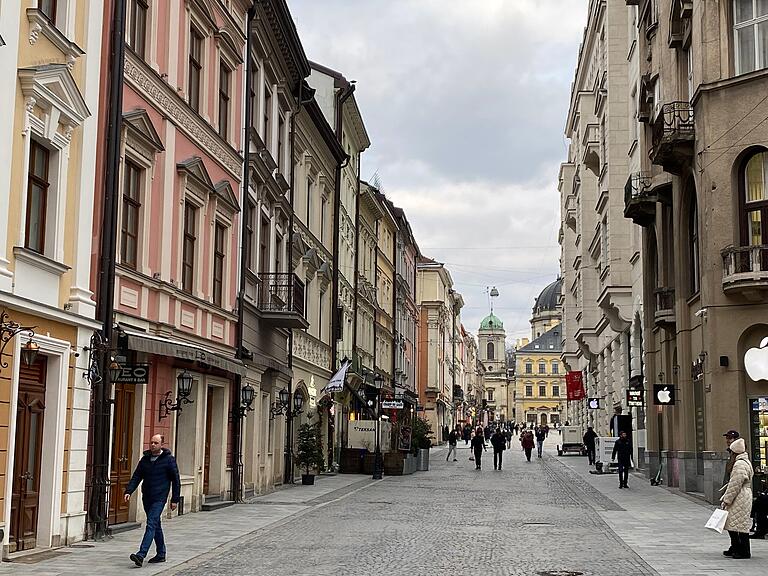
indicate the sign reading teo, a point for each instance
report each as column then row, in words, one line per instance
column 756, row 361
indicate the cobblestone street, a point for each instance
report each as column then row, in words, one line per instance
column 546, row 517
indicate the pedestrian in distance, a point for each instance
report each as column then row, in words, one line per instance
column 508, row 437
column 546, row 430
column 158, row 474
column 526, row 441
column 622, row 453
column 499, row 443
column 478, row 447
column 737, row 501
column 467, row 433
column 589, row 444
column 541, row 434
column 453, row 439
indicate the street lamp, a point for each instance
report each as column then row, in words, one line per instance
column 9, row 329
column 183, row 390
column 378, row 458
column 291, row 409
column 247, row 396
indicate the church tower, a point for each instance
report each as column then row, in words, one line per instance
column 492, row 353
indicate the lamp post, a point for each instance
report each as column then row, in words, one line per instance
column 9, row 329
column 378, row 459
column 291, row 405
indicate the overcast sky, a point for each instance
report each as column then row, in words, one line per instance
column 465, row 103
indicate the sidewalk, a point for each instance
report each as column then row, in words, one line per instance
column 665, row 528
column 188, row 536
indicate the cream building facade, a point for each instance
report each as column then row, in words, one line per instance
column 50, row 64
column 491, row 352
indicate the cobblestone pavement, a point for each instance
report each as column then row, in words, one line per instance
column 527, row 519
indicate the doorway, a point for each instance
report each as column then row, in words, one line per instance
column 208, row 429
column 25, row 495
column 543, row 419
column 122, row 452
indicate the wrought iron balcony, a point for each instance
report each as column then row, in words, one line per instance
column 745, row 270
column 458, row 393
column 673, row 137
column 639, row 201
column 664, row 314
column 281, row 300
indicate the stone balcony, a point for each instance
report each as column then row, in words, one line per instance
column 281, row 300
column 745, row 271
column 640, row 199
column 673, row 137
column 664, row 312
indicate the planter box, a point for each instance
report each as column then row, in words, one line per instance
column 308, row 479
column 351, row 460
column 399, row 463
column 423, row 460
column 368, row 463
column 409, row 464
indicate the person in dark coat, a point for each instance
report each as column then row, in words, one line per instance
column 526, row 441
column 499, row 443
column 478, row 446
column 453, row 439
column 467, row 433
column 541, row 435
column 158, row 474
column 589, row 444
column 508, row 437
column 622, row 453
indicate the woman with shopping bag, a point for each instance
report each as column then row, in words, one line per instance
column 737, row 501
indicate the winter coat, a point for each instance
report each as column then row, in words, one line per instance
column 157, row 478
column 540, row 435
column 527, row 441
column 498, row 442
column 452, row 438
column 623, row 449
column 738, row 495
column 589, row 439
column 478, row 443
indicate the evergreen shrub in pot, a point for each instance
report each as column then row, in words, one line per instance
column 309, row 451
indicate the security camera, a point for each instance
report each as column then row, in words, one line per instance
column 700, row 313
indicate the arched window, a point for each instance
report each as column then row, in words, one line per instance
column 490, row 351
column 754, row 200
column 693, row 245
column 750, row 35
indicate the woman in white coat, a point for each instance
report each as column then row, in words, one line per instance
column 737, row 501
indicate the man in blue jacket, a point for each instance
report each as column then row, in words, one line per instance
column 159, row 474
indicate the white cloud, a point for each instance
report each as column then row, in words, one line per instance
column 465, row 102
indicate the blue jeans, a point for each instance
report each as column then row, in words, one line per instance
column 153, row 531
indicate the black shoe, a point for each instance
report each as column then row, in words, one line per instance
column 136, row 559
column 156, row 560
column 740, row 556
column 621, row 486
column 455, row 460
column 728, row 552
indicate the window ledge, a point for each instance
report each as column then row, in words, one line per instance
column 39, row 22
column 39, row 261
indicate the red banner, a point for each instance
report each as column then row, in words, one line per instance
column 574, row 384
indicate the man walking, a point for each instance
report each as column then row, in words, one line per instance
column 478, row 447
column 541, row 434
column 589, row 444
column 526, row 441
column 623, row 450
column 453, row 439
column 499, row 444
column 159, row 475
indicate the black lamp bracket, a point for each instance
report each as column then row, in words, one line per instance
column 167, row 405
column 8, row 330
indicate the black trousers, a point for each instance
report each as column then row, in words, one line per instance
column 740, row 543
column 591, row 454
column 528, row 453
column 623, row 473
column 497, row 454
column 478, row 458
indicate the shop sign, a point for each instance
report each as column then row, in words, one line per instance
column 663, row 394
column 133, row 374
column 635, row 397
column 756, row 361
column 392, row 404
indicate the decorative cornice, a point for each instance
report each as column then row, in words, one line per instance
column 165, row 99
column 38, row 23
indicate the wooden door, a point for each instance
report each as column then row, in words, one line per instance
column 208, row 426
column 29, row 446
column 122, row 451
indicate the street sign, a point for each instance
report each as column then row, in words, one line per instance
column 392, row 404
column 663, row 394
column 635, row 397
column 593, row 403
column 133, row 374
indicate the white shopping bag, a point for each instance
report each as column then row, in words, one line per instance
column 716, row 522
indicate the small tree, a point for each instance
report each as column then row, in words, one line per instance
column 421, row 430
column 309, row 450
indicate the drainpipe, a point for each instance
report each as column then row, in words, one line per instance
column 341, row 98
column 102, row 396
column 237, row 417
column 357, row 258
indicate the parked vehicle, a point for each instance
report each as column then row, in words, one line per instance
column 571, row 441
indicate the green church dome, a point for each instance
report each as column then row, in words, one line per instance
column 491, row 322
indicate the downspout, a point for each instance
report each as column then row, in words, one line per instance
column 395, row 345
column 237, row 422
column 102, row 396
column 341, row 98
column 375, row 291
column 357, row 258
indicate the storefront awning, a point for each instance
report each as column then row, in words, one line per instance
column 161, row 346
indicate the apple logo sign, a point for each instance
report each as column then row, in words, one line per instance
column 756, row 361
column 594, row 403
column 664, row 396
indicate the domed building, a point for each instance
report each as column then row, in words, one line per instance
column 547, row 310
column 539, row 376
column 492, row 354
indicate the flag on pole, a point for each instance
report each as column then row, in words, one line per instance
column 336, row 383
column 574, row 384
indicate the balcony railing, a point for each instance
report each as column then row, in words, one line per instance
column 745, row 269
column 458, row 393
column 639, row 202
column 664, row 315
column 673, row 137
column 281, row 299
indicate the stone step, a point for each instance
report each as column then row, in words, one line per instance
column 210, row 506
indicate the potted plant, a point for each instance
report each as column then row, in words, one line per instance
column 420, row 442
column 309, row 451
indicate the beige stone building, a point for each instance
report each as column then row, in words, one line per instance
column 491, row 351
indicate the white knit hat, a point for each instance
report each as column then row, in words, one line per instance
column 738, row 446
